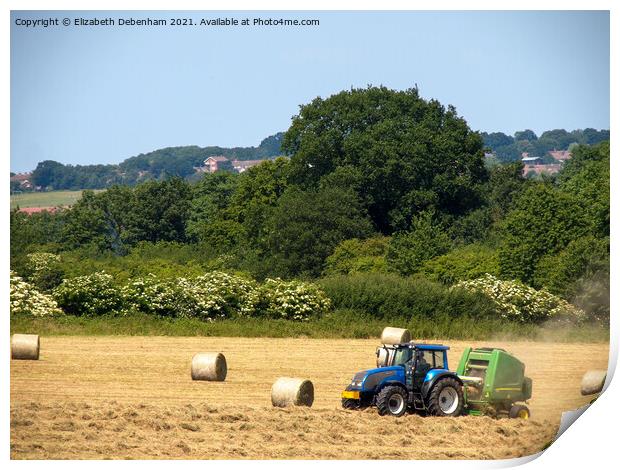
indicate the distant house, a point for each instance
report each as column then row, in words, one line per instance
column 535, row 165
column 215, row 163
column 241, row 165
column 23, row 179
column 560, row 155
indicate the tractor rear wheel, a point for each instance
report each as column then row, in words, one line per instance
column 446, row 398
column 392, row 400
column 519, row 411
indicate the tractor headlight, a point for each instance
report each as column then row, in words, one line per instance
column 356, row 383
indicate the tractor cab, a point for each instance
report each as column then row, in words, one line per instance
column 420, row 358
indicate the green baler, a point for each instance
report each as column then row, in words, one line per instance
column 494, row 383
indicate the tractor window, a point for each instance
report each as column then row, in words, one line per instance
column 438, row 360
column 402, row 356
column 432, row 359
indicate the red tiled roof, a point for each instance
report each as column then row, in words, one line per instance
column 21, row 177
column 36, row 210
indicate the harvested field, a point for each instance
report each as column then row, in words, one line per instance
column 133, row 397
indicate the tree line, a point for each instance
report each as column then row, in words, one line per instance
column 509, row 148
column 159, row 164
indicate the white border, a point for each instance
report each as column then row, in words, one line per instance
column 590, row 443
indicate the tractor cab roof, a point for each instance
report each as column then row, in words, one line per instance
column 432, row 347
column 423, row 346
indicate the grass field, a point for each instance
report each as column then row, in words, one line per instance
column 338, row 324
column 132, row 397
column 45, row 199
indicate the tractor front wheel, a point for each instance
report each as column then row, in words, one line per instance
column 349, row 404
column 519, row 411
column 446, row 398
column 392, row 400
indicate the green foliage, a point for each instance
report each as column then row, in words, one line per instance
column 579, row 273
column 413, row 154
column 210, row 198
column 25, row 299
column 336, row 324
column 544, row 221
column 256, row 195
column 355, row 255
column 426, row 240
column 387, row 296
column 527, row 135
column 161, row 211
column 518, row 302
column 586, row 176
column 306, row 226
column 461, row 264
column 581, row 258
column 472, row 227
column 505, row 184
column 164, row 259
column 160, row 164
column 290, row 300
column 44, row 270
column 95, row 294
column 120, row 217
column 37, row 232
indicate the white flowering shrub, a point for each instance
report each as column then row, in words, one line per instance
column 291, row 300
column 518, row 302
column 26, row 300
column 213, row 295
column 234, row 290
column 94, row 294
column 153, row 296
column 43, row 270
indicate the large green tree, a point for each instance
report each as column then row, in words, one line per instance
column 586, row 176
column 120, row 217
column 413, row 154
column 544, row 221
column 211, row 197
column 307, row 225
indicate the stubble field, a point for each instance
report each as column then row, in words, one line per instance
column 133, row 397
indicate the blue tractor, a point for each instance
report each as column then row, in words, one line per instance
column 409, row 377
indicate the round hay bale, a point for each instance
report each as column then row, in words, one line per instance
column 593, row 381
column 25, row 347
column 287, row 391
column 395, row 335
column 209, row 366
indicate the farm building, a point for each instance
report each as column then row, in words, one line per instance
column 215, row 163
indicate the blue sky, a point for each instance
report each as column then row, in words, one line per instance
column 83, row 95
